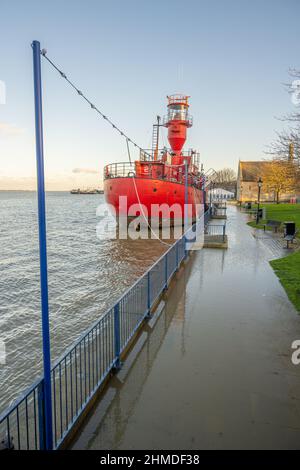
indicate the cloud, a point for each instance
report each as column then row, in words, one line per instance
column 7, row 129
column 90, row 171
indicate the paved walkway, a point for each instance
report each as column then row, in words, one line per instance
column 275, row 243
column 216, row 370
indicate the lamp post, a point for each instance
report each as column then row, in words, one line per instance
column 259, row 184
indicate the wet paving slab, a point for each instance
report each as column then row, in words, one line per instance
column 215, row 370
column 275, row 243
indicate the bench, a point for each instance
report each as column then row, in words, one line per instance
column 273, row 224
column 290, row 238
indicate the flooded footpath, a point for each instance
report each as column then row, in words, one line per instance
column 215, row 372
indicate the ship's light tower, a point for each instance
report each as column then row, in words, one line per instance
column 177, row 121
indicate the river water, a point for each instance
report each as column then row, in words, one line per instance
column 86, row 275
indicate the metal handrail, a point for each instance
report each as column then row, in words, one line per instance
column 79, row 372
column 181, row 116
column 216, row 230
column 128, row 170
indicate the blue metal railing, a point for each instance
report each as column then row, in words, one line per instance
column 78, row 374
column 207, row 216
column 219, row 208
column 216, row 230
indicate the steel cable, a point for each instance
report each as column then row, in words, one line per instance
column 80, row 93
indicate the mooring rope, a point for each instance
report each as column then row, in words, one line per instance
column 94, row 107
column 141, row 206
column 146, row 218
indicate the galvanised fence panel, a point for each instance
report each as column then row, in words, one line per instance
column 157, row 279
column 20, row 425
column 133, row 308
column 172, row 263
column 77, row 375
column 181, row 250
column 80, row 372
column 216, row 230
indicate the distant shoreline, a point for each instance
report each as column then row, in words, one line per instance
column 31, row 191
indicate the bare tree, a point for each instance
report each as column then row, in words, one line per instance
column 294, row 90
column 286, row 146
column 226, row 175
column 226, row 179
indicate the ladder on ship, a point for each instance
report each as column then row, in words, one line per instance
column 155, row 139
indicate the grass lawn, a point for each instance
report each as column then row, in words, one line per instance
column 282, row 212
column 288, row 268
column 288, row 271
column 260, row 225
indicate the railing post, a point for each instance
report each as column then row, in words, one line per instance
column 148, row 294
column 177, row 256
column 166, row 271
column 117, row 334
column 186, row 215
column 41, row 415
column 48, row 444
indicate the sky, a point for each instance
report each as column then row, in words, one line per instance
column 231, row 56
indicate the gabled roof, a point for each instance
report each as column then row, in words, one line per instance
column 251, row 171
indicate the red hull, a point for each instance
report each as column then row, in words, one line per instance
column 149, row 192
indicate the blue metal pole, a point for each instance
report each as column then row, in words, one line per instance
column 185, row 203
column 48, row 438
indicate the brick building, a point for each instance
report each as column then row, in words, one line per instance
column 247, row 189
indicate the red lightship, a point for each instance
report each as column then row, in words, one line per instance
column 158, row 177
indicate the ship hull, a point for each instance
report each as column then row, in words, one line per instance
column 127, row 195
